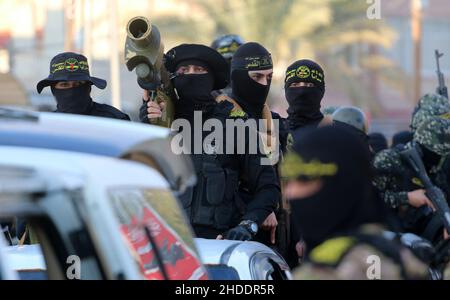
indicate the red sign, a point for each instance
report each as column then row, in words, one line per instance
column 180, row 262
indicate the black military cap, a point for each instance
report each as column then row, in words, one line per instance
column 216, row 63
column 305, row 70
column 69, row 66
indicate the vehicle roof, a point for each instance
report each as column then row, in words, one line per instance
column 87, row 134
column 72, row 169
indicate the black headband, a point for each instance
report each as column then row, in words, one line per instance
column 252, row 63
column 305, row 71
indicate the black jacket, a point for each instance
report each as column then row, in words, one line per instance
column 214, row 202
column 105, row 111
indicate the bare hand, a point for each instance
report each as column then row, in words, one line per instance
column 418, row 198
column 300, row 249
column 154, row 109
column 271, row 224
column 219, row 237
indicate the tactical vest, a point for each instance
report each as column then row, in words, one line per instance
column 214, row 201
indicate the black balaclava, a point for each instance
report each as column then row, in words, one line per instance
column 250, row 95
column 345, row 201
column 430, row 158
column 304, row 102
column 75, row 100
column 194, row 90
column 377, row 142
column 402, row 137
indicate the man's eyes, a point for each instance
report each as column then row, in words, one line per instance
column 200, row 69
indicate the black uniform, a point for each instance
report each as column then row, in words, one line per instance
column 378, row 142
column 102, row 110
column 213, row 206
column 252, row 96
column 304, row 102
column 341, row 223
column 303, row 111
column 67, row 67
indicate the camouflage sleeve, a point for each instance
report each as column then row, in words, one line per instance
column 390, row 197
column 387, row 166
column 309, row 271
column 353, row 266
column 365, row 262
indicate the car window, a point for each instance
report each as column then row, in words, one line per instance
column 57, row 234
column 265, row 266
column 168, row 249
column 222, row 272
column 27, row 259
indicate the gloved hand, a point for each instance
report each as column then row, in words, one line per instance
column 239, row 233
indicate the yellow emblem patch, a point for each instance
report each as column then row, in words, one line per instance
column 417, row 181
column 237, row 113
column 445, row 116
column 71, row 65
column 294, row 166
column 331, row 251
column 303, row 72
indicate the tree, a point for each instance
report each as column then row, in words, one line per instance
column 337, row 33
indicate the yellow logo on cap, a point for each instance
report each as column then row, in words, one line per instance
column 57, row 67
column 303, row 72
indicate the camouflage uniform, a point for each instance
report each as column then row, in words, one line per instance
column 394, row 178
column 349, row 258
column 429, row 106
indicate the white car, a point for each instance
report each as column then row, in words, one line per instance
column 146, row 144
column 236, row 260
column 97, row 217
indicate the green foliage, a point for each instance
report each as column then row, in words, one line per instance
column 337, row 33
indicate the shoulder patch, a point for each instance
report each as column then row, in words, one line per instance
column 417, row 181
column 332, row 251
column 289, row 142
column 237, row 113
